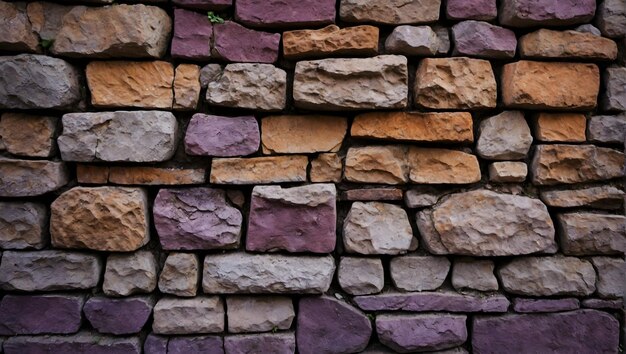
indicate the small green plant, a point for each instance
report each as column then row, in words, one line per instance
column 46, row 43
column 213, row 18
column 274, row 329
column 371, row 316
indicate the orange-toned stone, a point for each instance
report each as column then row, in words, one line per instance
column 146, row 84
column 330, row 40
column 377, row 164
column 302, row 134
column 28, row 135
column 92, row 174
column 326, row 168
column 452, row 127
column 560, row 127
column 259, row 170
column 442, row 166
column 550, row 85
column 546, row 43
column 138, row 175
column 186, row 87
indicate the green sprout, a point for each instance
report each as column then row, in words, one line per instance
column 213, row 18
column 46, row 43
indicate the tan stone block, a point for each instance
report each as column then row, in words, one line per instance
column 330, row 40
column 186, row 87
column 508, row 171
column 28, row 135
column 560, row 127
column 326, row 168
column 92, row 174
column 377, row 164
column 156, row 176
column 546, row 43
column 302, row 134
column 442, row 166
column 259, row 170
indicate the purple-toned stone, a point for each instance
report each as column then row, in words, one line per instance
column 545, row 305
column 529, row 13
column 327, row 325
column 483, row 40
column 39, row 314
column 278, row 343
column 83, row 342
column 583, row 331
column 233, row 42
column 196, row 219
column 204, row 4
column 155, row 344
column 432, row 301
column 192, row 35
column 298, row 219
column 409, row 333
column 209, row 135
column 608, row 304
column 118, row 316
column 199, row 344
column 484, row 10
column 285, row 13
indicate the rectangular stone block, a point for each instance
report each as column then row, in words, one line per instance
column 40, row 314
column 23, row 225
column 296, row 134
column 432, row 302
column 391, row 12
column 575, row 45
column 532, row 13
column 560, row 127
column 82, row 342
column 331, row 41
column 259, row 313
column 602, row 197
column 587, row 234
column 28, row 178
column 259, row 170
column 28, row 135
column 202, row 314
column 377, row 164
column 285, row 14
column 442, row 166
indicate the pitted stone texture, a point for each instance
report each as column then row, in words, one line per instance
column 585, row 234
column 568, row 164
column 49, row 271
column 560, row 127
column 82, row 342
column 505, row 136
column 298, row 219
column 361, row 276
column 263, row 273
column 548, row 276
column 186, row 87
column 322, row 321
column 443, row 301
column 259, row 170
column 293, row 134
column 607, row 129
column 259, row 314
column 27, row 178
column 209, row 135
column 40, row 314
column 545, row 305
column 614, row 95
column 28, row 135
column 532, row 13
column 129, row 136
column 508, row 171
column 392, row 12
column 180, row 275
column 193, row 33
column 23, row 225
column 47, row 18
column 442, row 166
column 605, row 304
column 336, row 84
column 155, row 344
column 483, row 40
column 474, row 274
column 611, row 18
column 196, row 219
column 546, row 43
column 16, row 30
column 376, row 164
column 129, row 31
column 418, row 273
column 418, row 40
column 410, row 333
column 132, row 175
column 130, row 273
column 487, row 223
column 277, row 343
column 236, row 43
column 118, row 316
column 195, row 344
column 330, row 41
column 377, row 228
column 611, row 275
column 455, row 83
column 210, row 72
column 601, row 197
column 141, row 84
column 100, row 218
column 38, row 82
column 202, row 314
column 482, row 10
column 255, row 86
column 285, row 14
column 550, row 86
column 326, row 168
column 596, row 332
column 422, row 196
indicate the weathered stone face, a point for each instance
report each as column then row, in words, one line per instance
column 82, row 342
column 482, row 10
column 16, row 28
column 209, row 135
column 611, row 16
column 614, row 96
column 376, row 164
column 282, row 14
column 604, row 197
column 418, row 273
column 508, row 171
column 474, row 274
column 302, row 134
column 118, row 316
column 202, row 314
column 418, row 41
column 28, row 135
column 442, row 166
column 545, row 305
column 40, row 314
column 131, row 175
column 560, row 127
column 234, row 42
column 504, row 137
column 361, row 276
column 259, row 314
column 326, row 168
column 440, row 301
column 186, row 87
column 180, row 275
column 131, row 273
column 530, row 13
column 607, row 129
column 592, row 234
column 199, row 344
column 483, row 40
column 263, row 343
column 259, row 170
column 546, row 43
column 393, row 12
column 611, row 273
column 23, row 225
column 192, row 36
column 330, row 41
column 408, row 333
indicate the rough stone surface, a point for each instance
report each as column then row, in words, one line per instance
column 455, row 83
column 82, row 342
column 487, row 223
column 545, row 305
column 445, row 301
column 259, row 314
column 392, row 12
column 409, row 333
column 442, row 166
column 279, row 343
column 418, row 41
column 234, row 42
column 259, row 170
column 614, row 96
column 560, row 127
column 482, row 10
column 23, row 225
column 607, row 129
column 131, row 175
column 186, row 87
column 611, row 18
column 372, row 194
column 418, row 273
column 548, row 276
column 16, row 28
column 376, row 164
column 255, row 86
column 294, row 134
column 195, row 344
column 210, row 72
column 550, row 85
column 263, row 273
column 474, row 274
column 422, row 196
column 100, row 218
column 28, row 135
column 589, row 28
column 298, row 219
column 602, row 197
column 611, row 275
column 129, row 136
column 118, row 316
column 592, row 234
column 180, row 275
column 606, row 304
column 330, row 41
column 202, row 314
column 568, row 164
column 49, row 271
column 531, row 13
column 155, row 344
column 128, row 274
column 335, row 84
column 27, row 178
column 40, row 314
column 508, row 171
column 196, row 219
column 505, row 136
column 192, row 36
column 282, row 14
column 546, row 43
column 46, row 19
column 483, row 40
column 361, row 276
column 322, row 320
column 209, row 135
column 377, row 228
column 326, row 167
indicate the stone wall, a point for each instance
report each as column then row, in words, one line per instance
column 312, row 176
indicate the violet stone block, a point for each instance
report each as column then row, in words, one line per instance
column 529, row 13
column 545, row 305
column 433, row 301
column 275, row 343
column 609, row 304
column 118, row 316
column 192, row 35
column 40, row 314
column 81, row 343
column 285, row 13
column 204, row 4
column 484, row 10
column 408, row 333
column 483, row 40
column 235, row 43
column 155, row 344
column 222, row 136
column 199, row 344
column 583, row 331
column 328, row 325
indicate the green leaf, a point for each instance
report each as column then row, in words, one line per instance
column 46, row 43
column 213, row 18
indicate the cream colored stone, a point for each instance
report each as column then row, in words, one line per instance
column 442, row 166
column 302, row 134
column 546, row 43
column 326, row 168
column 259, row 314
column 508, row 171
column 376, row 164
column 259, row 170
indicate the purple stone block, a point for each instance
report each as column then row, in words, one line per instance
column 155, row 344
column 40, row 314
column 118, row 316
column 83, row 342
column 222, row 136
column 529, row 13
column 327, row 325
column 432, row 301
column 609, row 304
column 408, row 333
column 200, row 344
column 483, row 40
column 484, row 10
column 285, row 13
column 583, row 331
column 278, row 343
column 192, row 35
column 545, row 305
column 233, row 42
column 204, row 4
